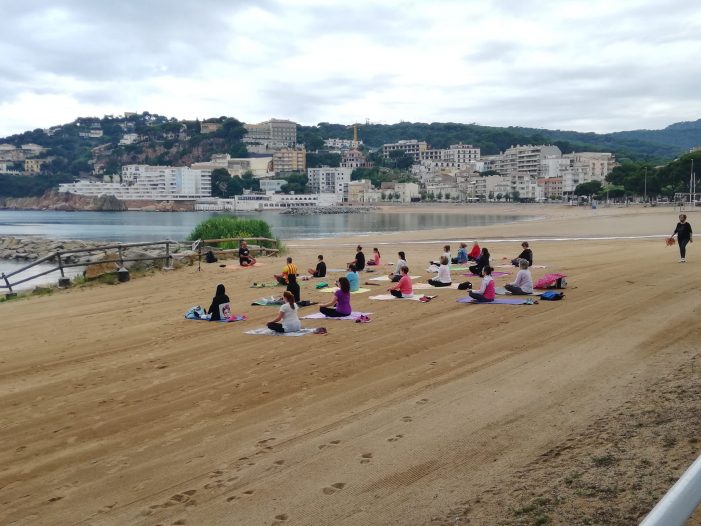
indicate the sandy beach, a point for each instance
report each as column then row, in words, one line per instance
column 116, row 410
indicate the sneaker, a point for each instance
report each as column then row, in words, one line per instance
column 682, row 260
column 320, row 330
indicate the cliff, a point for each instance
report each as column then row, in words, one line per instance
column 54, row 200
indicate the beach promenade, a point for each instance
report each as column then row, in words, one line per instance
column 115, row 410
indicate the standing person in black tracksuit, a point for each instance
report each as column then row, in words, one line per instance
column 683, row 232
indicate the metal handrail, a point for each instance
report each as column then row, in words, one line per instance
column 680, row 502
column 57, row 255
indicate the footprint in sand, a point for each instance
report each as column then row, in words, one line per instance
column 336, row 486
column 281, row 517
column 365, row 458
column 422, row 401
column 279, row 462
column 332, row 443
column 395, row 438
column 407, row 419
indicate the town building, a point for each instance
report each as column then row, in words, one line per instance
column 271, row 185
column 209, row 127
column 360, row 192
column 289, row 160
column 402, row 192
column 342, row 144
column 412, row 147
column 129, row 138
column 257, row 202
column 354, row 159
column 152, row 183
column 552, row 187
column 328, row 180
column 274, row 134
column 259, row 166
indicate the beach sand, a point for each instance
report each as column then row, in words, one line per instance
column 116, row 410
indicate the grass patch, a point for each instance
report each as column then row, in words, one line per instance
column 603, row 460
column 228, row 226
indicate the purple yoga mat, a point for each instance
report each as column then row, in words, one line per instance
column 499, row 301
column 494, row 275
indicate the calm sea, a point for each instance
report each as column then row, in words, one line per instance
column 132, row 227
column 153, row 226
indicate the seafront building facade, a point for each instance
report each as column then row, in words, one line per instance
column 140, row 182
column 327, row 180
column 273, row 134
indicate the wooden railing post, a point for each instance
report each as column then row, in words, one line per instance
column 167, row 265
column 7, row 282
column 121, row 256
column 60, row 265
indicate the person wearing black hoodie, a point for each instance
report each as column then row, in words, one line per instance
column 683, row 231
column 482, row 261
column 220, row 298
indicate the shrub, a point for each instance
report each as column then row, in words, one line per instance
column 227, row 226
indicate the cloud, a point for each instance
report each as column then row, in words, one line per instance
column 594, row 65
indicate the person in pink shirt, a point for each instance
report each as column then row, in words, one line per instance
column 404, row 287
column 375, row 261
column 487, row 291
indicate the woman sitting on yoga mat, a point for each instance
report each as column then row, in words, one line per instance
column 446, row 253
column 353, row 278
column 526, row 254
column 341, row 301
column 524, row 281
column 375, row 261
column 482, row 261
column 401, row 262
column 288, row 316
column 461, row 259
column 404, row 288
column 220, row 298
column 474, row 252
column 443, row 278
column 487, row 291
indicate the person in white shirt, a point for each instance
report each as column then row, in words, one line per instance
column 524, row 281
column 288, row 316
column 401, row 262
column 443, row 278
column 446, row 253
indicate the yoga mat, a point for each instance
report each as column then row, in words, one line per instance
column 456, row 268
column 513, row 266
column 427, row 286
column 264, row 331
column 494, row 275
column 241, row 317
column 239, row 267
column 351, row 317
column 383, row 297
column 386, row 278
column 498, row 301
column 334, row 289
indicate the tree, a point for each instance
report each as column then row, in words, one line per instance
column 397, row 197
column 516, row 195
column 296, row 182
column 431, row 196
column 439, row 196
column 313, row 142
column 491, row 196
column 589, row 188
column 499, row 196
column 317, row 160
column 447, row 196
column 220, row 179
column 383, row 196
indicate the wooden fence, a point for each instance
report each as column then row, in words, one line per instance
column 57, row 257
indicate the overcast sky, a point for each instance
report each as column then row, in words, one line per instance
column 594, row 65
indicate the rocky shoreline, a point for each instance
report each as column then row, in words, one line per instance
column 329, row 210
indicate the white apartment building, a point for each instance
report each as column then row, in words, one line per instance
column 273, row 134
column 259, row 166
column 142, row 182
column 361, row 192
column 342, row 144
column 326, row 180
column 456, row 154
column 257, row 202
column 405, row 191
column 411, row 147
column 526, row 158
column 129, row 138
column 271, row 185
column 527, row 186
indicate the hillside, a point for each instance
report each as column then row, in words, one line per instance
column 658, row 145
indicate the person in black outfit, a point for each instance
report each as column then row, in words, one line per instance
column 293, row 286
column 359, row 260
column 245, row 259
column 683, row 232
column 320, row 271
column 220, row 298
column 526, row 254
column 481, row 262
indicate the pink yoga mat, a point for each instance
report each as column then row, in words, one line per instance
column 494, row 275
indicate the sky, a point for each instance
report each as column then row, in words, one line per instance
column 595, row 65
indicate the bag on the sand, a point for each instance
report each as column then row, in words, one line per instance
column 552, row 295
column 551, row 281
column 321, row 285
column 195, row 313
column 209, row 257
column 465, row 286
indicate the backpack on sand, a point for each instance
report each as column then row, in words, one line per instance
column 551, row 295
